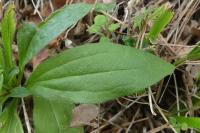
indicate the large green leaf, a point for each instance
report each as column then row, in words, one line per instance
column 9, row 120
column 51, row 28
column 52, row 116
column 96, row 73
column 7, row 31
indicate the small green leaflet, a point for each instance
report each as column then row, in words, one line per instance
column 100, row 20
column 57, row 23
column 96, row 73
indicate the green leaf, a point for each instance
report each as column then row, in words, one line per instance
column 113, row 27
column 9, row 120
column 11, row 75
column 160, row 23
column 52, row 115
column 24, row 37
column 192, row 122
column 95, row 73
column 8, row 30
column 100, row 20
column 57, row 23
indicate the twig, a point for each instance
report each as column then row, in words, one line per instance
column 133, row 120
column 164, row 89
column 177, row 95
column 28, row 126
column 36, row 10
column 119, row 21
column 162, row 114
column 150, row 102
column 158, row 129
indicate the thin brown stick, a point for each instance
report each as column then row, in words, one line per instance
column 28, row 126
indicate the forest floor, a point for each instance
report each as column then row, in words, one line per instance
column 137, row 113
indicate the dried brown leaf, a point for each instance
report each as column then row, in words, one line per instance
column 84, row 114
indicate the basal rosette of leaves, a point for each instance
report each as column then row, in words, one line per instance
column 91, row 73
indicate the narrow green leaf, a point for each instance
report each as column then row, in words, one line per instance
column 24, row 37
column 160, row 23
column 7, row 31
column 96, row 73
column 52, row 115
column 52, row 27
column 9, row 120
column 192, row 122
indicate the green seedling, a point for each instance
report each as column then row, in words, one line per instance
column 159, row 17
column 101, row 24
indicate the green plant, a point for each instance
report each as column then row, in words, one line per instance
column 91, row 73
column 184, row 123
column 101, row 25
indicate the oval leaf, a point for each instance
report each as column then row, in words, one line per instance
column 96, row 73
